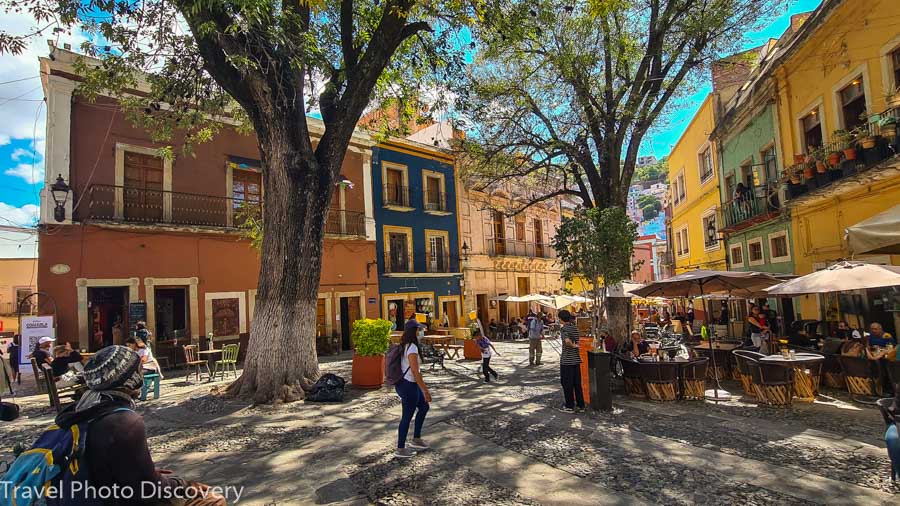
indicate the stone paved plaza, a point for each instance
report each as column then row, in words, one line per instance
column 505, row 443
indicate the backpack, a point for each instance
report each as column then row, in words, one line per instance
column 392, row 369
column 329, row 388
column 52, row 461
column 535, row 327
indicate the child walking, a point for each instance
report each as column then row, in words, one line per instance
column 487, row 351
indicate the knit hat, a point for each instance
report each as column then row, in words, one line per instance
column 113, row 367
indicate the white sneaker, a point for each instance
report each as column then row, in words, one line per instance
column 404, row 453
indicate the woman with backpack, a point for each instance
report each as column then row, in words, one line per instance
column 414, row 394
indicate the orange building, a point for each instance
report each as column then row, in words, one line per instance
column 141, row 228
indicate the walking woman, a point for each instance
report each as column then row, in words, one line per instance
column 414, row 395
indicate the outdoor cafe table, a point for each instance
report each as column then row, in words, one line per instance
column 724, row 370
column 442, row 342
column 806, row 384
column 210, row 356
column 680, row 364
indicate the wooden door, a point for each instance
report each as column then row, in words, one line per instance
column 398, row 253
column 522, row 286
column 394, row 190
column 246, row 188
column 451, row 312
column 433, row 193
column 321, row 319
column 143, row 192
column 482, row 303
column 538, row 238
column 499, row 229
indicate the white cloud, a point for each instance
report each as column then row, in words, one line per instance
column 24, row 216
column 32, row 174
column 20, row 153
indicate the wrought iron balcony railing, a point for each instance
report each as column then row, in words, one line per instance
column 435, row 202
column 757, row 202
column 510, row 247
column 396, row 195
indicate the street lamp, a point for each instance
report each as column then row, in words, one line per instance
column 344, row 182
column 465, row 251
column 60, row 193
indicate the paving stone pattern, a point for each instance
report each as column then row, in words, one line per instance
column 612, row 463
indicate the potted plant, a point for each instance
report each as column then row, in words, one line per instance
column 809, row 171
column 819, row 155
column 845, row 140
column 799, row 158
column 471, row 350
column 889, row 128
column 371, row 338
column 795, row 174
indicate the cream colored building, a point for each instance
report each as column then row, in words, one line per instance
column 506, row 255
column 18, row 262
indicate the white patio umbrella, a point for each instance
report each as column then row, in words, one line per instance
column 878, row 234
column 842, row 276
column 561, row 301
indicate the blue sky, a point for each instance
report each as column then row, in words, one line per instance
column 659, row 142
column 22, row 117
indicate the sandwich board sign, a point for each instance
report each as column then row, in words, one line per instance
column 32, row 329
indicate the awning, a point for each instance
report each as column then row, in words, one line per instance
column 878, row 234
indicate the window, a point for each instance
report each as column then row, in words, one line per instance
column 706, row 165
column 770, row 165
column 396, row 184
column 398, row 249
column 729, row 186
column 21, row 294
column 812, row 131
column 435, row 195
column 755, row 251
column 678, row 190
column 438, row 252
column 321, row 318
column 538, row 238
column 737, row 255
column 499, row 228
column 143, row 192
column 681, row 242
column 778, row 247
column 246, row 192
column 853, row 104
column 520, row 228
column 895, row 62
column 710, row 231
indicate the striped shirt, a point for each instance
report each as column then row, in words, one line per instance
column 569, row 356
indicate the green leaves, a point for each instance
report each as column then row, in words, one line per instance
column 596, row 244
column 371, row 336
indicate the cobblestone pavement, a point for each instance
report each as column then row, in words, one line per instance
column 833, row 438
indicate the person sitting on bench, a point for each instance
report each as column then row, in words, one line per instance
column 63, row 357
column 149, row 365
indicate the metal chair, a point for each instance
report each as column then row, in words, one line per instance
column 191, row 360
column 229, row 359
column 693, row 379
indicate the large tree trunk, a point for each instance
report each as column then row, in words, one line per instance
column 618, row 311
column 281, row 358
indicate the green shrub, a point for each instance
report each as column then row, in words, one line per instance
column 371, row 337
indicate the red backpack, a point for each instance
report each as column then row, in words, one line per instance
column 393, row 372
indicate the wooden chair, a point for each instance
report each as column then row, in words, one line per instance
column 660, row 379
column 776, row 384
column 191, row 360
column 229, row 359
column 52, row 392
column 693, row 379
column 721, row 370
column 806, row 380
column 742, row 359
column 832, row 374
column 861, row 375
column 38, row 376
column 634, row 383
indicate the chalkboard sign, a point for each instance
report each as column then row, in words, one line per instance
column 137, row 312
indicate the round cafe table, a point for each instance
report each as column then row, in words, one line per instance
column 806, row 382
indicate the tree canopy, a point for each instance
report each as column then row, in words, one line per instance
column 562, row 93
column 653, row 171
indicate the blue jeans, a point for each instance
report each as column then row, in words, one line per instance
column 413, row 401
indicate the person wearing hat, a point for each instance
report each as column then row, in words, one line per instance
column 116, row 450
column 59, row 363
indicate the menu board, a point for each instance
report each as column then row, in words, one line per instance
column 137, row 312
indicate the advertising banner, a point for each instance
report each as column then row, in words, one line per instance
column 34, row 328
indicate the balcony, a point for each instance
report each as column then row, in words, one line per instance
column 875, row 148
column 436, row 203
column 153, row 207
column 759, row 204
column 510, row 247
column 396, row 197
column 437, row 263
column 397, row 262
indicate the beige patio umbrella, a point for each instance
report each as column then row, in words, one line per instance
column 878, row 234
column 842, row 276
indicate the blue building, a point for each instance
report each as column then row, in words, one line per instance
column 417, row 239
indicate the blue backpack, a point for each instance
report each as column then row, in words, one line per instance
column 52, row 461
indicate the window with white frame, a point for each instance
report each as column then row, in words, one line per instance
column 778, row 247
column 710, row 230
column 681, row 242
column 755, row 251
column 737, row 255
column 812, row 131
column 705, row 162
column 895, row 67
column 853, row 104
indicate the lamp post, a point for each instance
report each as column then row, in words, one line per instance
column 465, row 252
column 344, row 182
column 60, row 193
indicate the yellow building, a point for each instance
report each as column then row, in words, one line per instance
column 694, row 194
column 18, row 260
column 839, row 73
